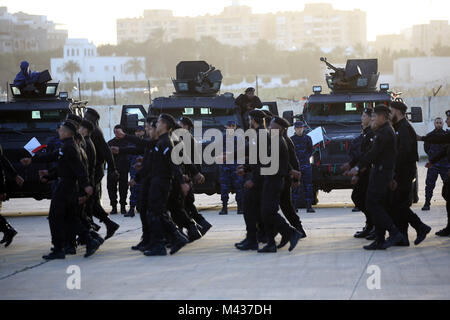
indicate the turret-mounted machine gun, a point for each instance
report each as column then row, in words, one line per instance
column 197, row 78
column 359, row 75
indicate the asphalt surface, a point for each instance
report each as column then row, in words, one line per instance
column 328, row 264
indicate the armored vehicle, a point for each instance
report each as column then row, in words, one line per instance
column 32, row 113
column 353, row 89
column 197, row 96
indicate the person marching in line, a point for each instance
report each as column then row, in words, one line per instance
column 361, row 182
column 253, row 185
column 380, row 160
column 304, row 151
column 271, row 195
column 439, row 168
column 103, row 154
column 71, row 173
column 442, row 139
column 228, row 172
column 286, row 203
column 7, row 170
column 192, row 174
column 405, row 173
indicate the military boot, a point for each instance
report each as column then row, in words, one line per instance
column 8, row 234
column 224, row 210
column 193, row 232
column 123, row 209
column 130, row 213
column 204, row 226
column 111, row 228
column 114, row 209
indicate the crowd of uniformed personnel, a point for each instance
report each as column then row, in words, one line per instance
column 382, row 169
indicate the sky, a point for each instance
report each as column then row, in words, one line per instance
column 96, row 19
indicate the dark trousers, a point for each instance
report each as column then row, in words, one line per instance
column 305, row 188
column 97, row 209
column 376, row 201
column 175, row 205
column 359, row 196
column 112, row 183
column 230, row 180
column 191, row 209
column 270, row 204
column 286, row 204
column 400, row 209
column 161, row 226
column 3, row 224
column 432, row 175
column 142, row 208
column 252, row 209
column 63, row 215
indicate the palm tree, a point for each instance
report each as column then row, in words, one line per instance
column 71, row 67
column 134, row 66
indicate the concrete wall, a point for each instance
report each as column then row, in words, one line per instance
column 417, row 71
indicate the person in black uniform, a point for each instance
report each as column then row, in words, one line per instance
column 103, row 153
column 253, row 185
column 380, row 160
column 248, row 102
column 286, row 204
column 123, row 165
column 163, row 170
column 196, row 176
column 441, row 139
column 405, row 172
column 361, row 182
column 7, row 170
column 271, row 195
column 71, row 174
column 439, row 168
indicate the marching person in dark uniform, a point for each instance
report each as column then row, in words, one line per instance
column 286, row 204
column 122, row 163
column 405, row 172
column 380, row 160
column 248, row 102
column 103, row 153
column 253, row 186
column 71, row 174
column 304, row 150
column 271, row 195
column 162, row 172
column 193, row 174
column 442, row 139
column 361, row 182
column 440, row 168
column 7, row 170
column 228, row 172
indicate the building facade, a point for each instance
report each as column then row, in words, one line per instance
column 81, row 61
column 426, row 36
column 238, row 25
column 21, row 32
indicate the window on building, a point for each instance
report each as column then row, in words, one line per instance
column 78, row 52
column 91, row 69
column 114, row 68
column 106, row 68
column 73, row 52
column 68, row 52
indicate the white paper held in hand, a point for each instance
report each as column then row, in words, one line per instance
column 32, row 145
column 316, row 135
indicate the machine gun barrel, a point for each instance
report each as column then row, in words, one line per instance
column 329, row 65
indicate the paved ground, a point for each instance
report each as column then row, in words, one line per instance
column 329, row 264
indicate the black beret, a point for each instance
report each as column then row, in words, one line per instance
column 74, row 117
column 399, row 106
column 381, row 108
column 281, row 122
column 88, row 125
column 70, row 125
column 447, row 113
column 93, row 112
column 187, row 122
column 170, row 120
column 139, row 128
column 257, row 114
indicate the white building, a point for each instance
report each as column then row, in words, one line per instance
column 94, row 68
column 422, row 71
